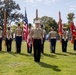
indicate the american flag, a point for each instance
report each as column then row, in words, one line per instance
column 26, row 30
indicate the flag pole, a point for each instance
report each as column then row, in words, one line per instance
column 5, row 21
column 5, row 28
column 59, row 16
column 36, row 14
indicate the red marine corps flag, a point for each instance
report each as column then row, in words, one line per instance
column 73, row 32
column 26, row 30
column 60, row 25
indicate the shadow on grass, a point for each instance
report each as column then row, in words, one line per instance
column 61, row 54
column 12, row 53
column 1, row 52
column 49, row 55
column 71, row 53
column 45, row 65
column 25, row 54
column 15, row 54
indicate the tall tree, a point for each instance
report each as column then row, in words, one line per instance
column 13, row 14
column 1, row 13
column 48, row 22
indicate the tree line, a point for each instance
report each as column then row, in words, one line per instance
column 13, row 15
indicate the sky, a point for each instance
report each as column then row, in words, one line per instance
column 48, row 8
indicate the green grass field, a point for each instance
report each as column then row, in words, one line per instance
column 51, row 64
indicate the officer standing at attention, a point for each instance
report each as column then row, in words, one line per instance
column 43, row 39
column 8, row 39
column 64, row 40
column 52, row 39
column 18, row 33
column 29, row 48
column 37, row 37
column 1, row 35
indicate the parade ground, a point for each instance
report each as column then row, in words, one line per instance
column 50, row 64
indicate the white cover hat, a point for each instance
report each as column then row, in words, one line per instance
column 37, row 21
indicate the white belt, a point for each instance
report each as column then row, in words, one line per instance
column 18, row 35
column 53, row 37
column 64, row 38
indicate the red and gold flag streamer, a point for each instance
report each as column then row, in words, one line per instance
column 60, row 25
column 73, row 31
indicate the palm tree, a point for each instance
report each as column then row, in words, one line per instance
column 70, row 17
